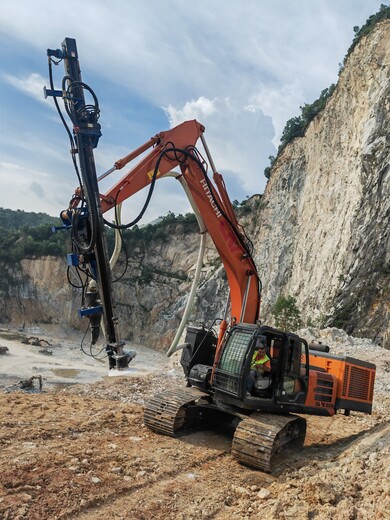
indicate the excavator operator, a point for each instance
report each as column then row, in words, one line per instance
column 260, row 365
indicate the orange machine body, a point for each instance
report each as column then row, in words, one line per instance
column 340, row 382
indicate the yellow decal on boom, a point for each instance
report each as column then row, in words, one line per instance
column 150, row 174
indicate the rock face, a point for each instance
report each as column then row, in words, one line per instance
column 152, row 295
column 320, row 231
column 323, row 233
column 37, row 291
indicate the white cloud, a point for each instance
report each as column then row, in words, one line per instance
column 240, row 68
column 238, row 139
column 168, row 196
column 199, row 109
column 32, row 85
column 32, row 190
column 30, row 149
column 279, row 102
column 171, row 54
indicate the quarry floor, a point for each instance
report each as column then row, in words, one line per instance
column 79, row 450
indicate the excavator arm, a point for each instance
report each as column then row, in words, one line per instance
column 176, row 148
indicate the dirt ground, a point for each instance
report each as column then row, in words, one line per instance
column 80, row 451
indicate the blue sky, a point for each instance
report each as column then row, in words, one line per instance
column 241, row 68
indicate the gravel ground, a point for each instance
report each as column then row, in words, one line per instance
column 81, row 451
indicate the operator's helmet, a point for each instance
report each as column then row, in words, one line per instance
column 260, row 342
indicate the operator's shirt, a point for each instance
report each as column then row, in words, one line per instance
column 258, row 361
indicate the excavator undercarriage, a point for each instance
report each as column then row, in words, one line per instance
column 258, row 438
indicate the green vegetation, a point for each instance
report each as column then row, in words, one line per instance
column 147, row 275
column 28, row 235
column 245, row 207
column 10, row 219
column 30, row 242
column 23, row 235
column 286, row 313
column 267, row 171
column 12, row 336
column 346, row 315
column 161, row 230
column 382, row 14
column 318, row 323
column 341, row 319
column 296, row 126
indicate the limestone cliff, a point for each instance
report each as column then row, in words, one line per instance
column 323, row 233
column 321, row 230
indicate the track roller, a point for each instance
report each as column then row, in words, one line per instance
column 260, row 437
column 166, row 413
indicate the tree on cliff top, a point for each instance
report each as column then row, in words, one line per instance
column 296, row 126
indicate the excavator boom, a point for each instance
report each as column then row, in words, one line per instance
column 176, row 148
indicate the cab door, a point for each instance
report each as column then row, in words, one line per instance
column 292, row 386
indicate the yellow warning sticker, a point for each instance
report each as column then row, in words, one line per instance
column 150, row 174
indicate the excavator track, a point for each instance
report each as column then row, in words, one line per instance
column 258, row 439
column 166, row 413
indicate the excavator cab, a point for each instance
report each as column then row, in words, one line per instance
column 287, row 380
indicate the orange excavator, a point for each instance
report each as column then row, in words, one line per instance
column 301, row 379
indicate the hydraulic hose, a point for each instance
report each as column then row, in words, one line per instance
column 173, row 348
column 203, row 230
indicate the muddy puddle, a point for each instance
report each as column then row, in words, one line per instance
column 66, row 372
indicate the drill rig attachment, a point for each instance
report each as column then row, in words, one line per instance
column 84, row 215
